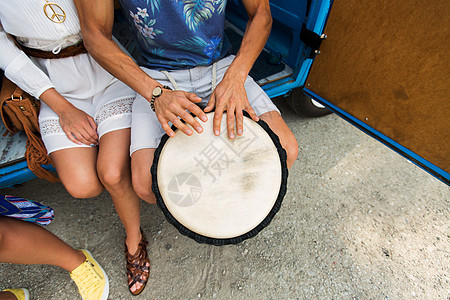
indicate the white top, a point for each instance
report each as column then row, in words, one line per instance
column 26, row 19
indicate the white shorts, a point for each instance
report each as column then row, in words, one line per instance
column 90, row 88
column 146, row 131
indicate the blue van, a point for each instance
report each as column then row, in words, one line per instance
column 381, row 65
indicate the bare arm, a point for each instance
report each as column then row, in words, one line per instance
column 255, row 37
column 230, row 94
column 96, row 20
column 78, row 126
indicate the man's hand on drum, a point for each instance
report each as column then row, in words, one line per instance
column 230, row 96
column 172, row 105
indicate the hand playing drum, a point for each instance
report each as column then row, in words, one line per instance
column 217, row 190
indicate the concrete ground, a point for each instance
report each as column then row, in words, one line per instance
column 358, row 222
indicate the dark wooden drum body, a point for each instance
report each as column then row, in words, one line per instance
column 217, row 190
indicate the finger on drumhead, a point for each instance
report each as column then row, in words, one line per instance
column 167, row 129
column 252, row 113
column 230, row 123
column 191, row 121
column 211, row 103
column 216, row 121
column 196, row 110
column 239, row 121
column 181, row 126
column 165, row 125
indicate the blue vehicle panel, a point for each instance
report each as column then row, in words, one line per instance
column 282, row 68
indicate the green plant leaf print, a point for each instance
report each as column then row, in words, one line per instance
column 154, row 5
column 197, row 11
column 222, row 4
column 158, row 51
column 193, row 44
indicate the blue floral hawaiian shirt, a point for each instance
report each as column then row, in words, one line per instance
column 178, row 34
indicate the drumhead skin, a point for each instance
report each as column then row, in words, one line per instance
column 217, row 190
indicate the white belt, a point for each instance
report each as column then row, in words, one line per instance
column 50, row 45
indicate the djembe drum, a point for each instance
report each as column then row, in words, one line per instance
column 217, row 190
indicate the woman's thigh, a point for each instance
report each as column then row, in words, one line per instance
column 77, row 170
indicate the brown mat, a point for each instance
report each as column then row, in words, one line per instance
column 387, row 64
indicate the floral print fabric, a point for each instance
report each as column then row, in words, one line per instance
column 178, row 34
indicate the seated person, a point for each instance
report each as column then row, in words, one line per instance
column 27, row 243
column 183, row 62
column 85, row 116
column 184, row 55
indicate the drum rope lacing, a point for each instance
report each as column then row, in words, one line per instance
column 213, row 79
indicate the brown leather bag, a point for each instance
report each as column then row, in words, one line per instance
column 19, row 111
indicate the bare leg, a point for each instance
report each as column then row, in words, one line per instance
column 114, row 170
column 27, row 243
column 141, row 162
column 287, row 139
column 76, row 168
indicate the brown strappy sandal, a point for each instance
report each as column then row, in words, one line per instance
column 138, row 266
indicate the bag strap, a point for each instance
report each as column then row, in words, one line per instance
column 7, row 91
column 13, row 95
column 36, row 156
column 10, row 90
column 17, row 93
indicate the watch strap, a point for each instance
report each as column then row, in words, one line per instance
column 152, row 101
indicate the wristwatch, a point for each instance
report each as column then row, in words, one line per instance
column 157, row 92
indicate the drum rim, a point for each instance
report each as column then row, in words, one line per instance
column 222, row 241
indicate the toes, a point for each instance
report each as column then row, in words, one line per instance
column 136, row 286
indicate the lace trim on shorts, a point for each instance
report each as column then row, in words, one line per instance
column 114, row 108
column 50, row 126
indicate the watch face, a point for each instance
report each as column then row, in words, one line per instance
column 157, row 91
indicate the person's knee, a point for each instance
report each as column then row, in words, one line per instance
column 6, row 228
column 113, row 178
column 287, row 138
column 141, row 176
column 77, row 171
column 144, row 190
column 291, row 147
column 83, row 189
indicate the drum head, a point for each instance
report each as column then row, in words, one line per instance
column 217, row 190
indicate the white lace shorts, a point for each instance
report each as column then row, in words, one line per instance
column 110, row 108
column 146, row 131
